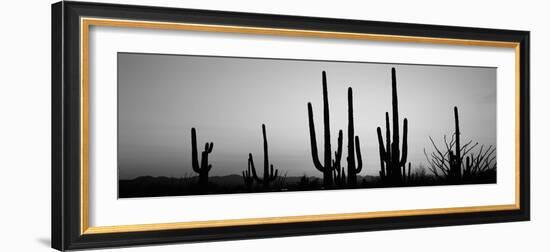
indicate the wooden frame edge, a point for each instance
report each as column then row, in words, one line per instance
column 291, row 219
column 86, row 22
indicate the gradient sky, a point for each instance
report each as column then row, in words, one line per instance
column 161, row 97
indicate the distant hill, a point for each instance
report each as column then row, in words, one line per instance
column 231, row 180
column 148, row 186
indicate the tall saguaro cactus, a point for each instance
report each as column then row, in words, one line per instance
column 392, row 159
column 327, row 168
column 204, row 167
column 270, row 174
column 353, row 145
column 455, row 161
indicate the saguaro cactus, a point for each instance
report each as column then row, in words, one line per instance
column 248, row 178
column 270, row 174
column 353, row 145
column 327, row 169
column 204, row 167
column 392, row 159
column 455, row 161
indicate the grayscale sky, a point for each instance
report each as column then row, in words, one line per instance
column 161, row 97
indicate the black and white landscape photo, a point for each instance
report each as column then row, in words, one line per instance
column 194, row 125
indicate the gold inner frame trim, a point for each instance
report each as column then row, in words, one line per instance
column 290, row 219
column 86, row 23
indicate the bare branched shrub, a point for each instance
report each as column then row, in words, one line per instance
column 475, row 160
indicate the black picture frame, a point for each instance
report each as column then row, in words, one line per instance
column 66, row 125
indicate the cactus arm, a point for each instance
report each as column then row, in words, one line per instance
column 253, row 168
column 404, row 148
column 209, row 148
column 205, row 167
column 272, row 176
column 338, row 153
column 314, row 151
column 336, row 167
column 207, row 151
column 388, row 141
column 359, row 158
column 194, row 152
column 204, row 161
column 382, row 152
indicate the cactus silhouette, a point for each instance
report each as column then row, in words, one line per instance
column 455, row 161
column 339, row 176
column 248, row 178
column 270, row 174
column 327, row 169
column 392, row 159
column 353, row 145
column 449, row 164
column 204, row 167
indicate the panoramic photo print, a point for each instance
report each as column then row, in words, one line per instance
column 195, row 125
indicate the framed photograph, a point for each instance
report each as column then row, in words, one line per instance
column 180, row 125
